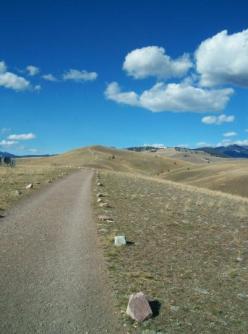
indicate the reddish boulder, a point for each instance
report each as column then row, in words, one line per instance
column 138, row 307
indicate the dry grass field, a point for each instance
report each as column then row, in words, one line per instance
column 13, row 181
column 188, row 251
column 39, row 170
column 119, row 160
column 229, row 176
column 226, row 175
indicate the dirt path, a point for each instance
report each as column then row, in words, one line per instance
column 52, row 277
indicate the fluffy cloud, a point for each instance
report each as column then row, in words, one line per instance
column 23, row 136
column 7, row 143
column 217, row 120
column 153, row 61
column 11, row 80
column 49, row 77
column 180, row 97
column 230, row 134
column 113, row 92
column 32, row 70
column 172, row 97
column 77, row 75
column 223, row 59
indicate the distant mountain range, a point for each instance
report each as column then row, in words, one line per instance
column 231, row 151
column 7, row 154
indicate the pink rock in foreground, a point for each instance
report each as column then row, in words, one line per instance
column 138, row 307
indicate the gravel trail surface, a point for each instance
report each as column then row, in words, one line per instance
column 52, row 277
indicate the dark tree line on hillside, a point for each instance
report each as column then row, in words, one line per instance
column 143, row 148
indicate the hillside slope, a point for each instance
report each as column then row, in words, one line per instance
column 226, row 176
column 116, row 160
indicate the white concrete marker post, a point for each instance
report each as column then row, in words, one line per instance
column 120, row 240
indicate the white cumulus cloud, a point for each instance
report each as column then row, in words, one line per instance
column 7, row 143
column 77, row 75
column 23, row 136
column 153, row 61
column 172, row 97
column 230, row 134
column 49, row 77
column 11, row 80
column 223, row 59
column 32, row 70
column 218, row 120
column 113, row 92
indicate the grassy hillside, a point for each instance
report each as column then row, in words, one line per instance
column 40, row 170
column 198, row 169
column 227, row 176
column 118, row 160
column 188, row 252
column 13, row 181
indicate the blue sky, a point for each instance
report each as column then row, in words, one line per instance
column 122, row 73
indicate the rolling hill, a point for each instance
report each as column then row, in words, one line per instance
column 197, row 169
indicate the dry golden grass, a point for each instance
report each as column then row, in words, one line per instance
column 39, row 170
column 230, row 176
column 225, row 175
column 189, row 253
column 119, row 160
column 13, row 181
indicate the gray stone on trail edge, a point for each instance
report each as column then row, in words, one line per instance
column 104, row 205
column 120, row 240
column 18, row 193
column 104, row 218
column 138, row 307
column 99, row 184
column 29, row 186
